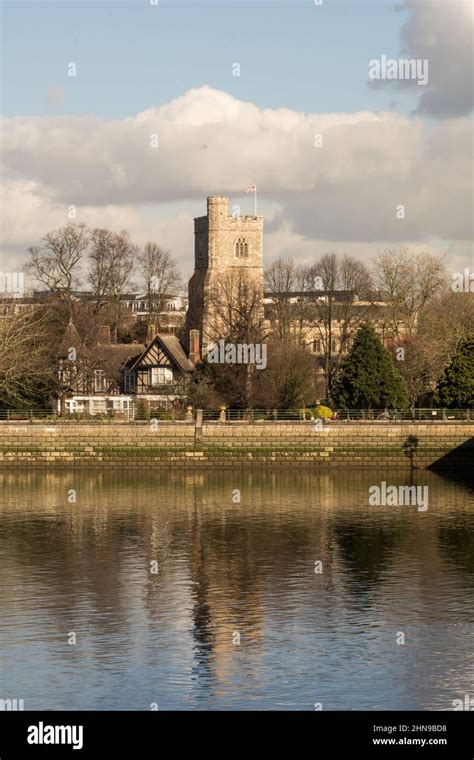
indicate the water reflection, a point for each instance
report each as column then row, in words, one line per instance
column 228, row 572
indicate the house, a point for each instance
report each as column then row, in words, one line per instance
column 160, row 373
column 167, row 310
column 111, row 378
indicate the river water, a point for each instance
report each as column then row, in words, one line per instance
column 242, row 589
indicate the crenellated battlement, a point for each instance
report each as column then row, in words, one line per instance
column 201, row 223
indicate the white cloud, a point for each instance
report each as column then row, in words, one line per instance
column 344, row 193
column 440, row 32
column 286, row 243
column 29, row 213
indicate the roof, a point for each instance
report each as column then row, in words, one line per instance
column 71, row 338
column 119, row 351
column 173, row 348
column 307, row 293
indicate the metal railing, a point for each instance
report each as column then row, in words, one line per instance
column 410, row 415
column 242, row 415
column 25, row 413
column 341, row 415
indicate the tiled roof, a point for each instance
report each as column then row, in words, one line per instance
column 172, row 347
column 175, row 348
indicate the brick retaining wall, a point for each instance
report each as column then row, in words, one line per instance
column 229, row 444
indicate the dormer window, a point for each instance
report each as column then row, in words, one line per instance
column 241, row 248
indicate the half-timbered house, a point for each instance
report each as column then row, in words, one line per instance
column 161, row 372
column 110, row 378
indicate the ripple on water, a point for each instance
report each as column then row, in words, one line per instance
column 236, row 616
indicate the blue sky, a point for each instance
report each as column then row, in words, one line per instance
column 167, row 70
column 132, row 55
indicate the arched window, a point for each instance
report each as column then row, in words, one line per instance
column 241, row 248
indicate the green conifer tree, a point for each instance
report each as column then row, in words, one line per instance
column 368, row 379
column 456, row 385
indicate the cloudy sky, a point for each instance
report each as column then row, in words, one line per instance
column 333, row 153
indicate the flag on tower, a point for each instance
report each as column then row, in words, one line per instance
column 253, row 189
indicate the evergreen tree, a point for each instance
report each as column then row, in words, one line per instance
column 368, row 378
column 456, row 384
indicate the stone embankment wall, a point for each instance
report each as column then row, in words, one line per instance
column 183, row 444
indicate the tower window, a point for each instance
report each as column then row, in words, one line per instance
column 241, row 248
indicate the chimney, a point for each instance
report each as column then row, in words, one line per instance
column 103, row 335
column 151, row 333
column 194, row 353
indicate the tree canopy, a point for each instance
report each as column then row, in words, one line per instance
column 368, row 378
column 456, row 385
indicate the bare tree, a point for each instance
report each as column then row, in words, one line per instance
column 110, row 268
column 339, row 291
column 286, row 311
column 236, row 316
column 24, row 358
column 407, row 282
column 440, row 331
column 160, row 275
column 236, row 312
column 55, row 263
column 290, row 379
column 100, row 264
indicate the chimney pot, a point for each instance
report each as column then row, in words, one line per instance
column 103, row 335
column 194, row 352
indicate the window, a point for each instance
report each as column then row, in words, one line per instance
column 161, row 376
column 316, row 346
column 100, row 381
column 129, row 381
column 66, row 376
column 241, row 248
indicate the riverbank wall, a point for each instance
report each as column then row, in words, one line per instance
column 214, row 444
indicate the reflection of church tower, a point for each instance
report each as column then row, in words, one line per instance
column 222, row 243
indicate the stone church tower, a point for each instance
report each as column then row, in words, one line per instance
column 222, row 243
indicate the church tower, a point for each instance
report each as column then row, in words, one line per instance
column 222, row 243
